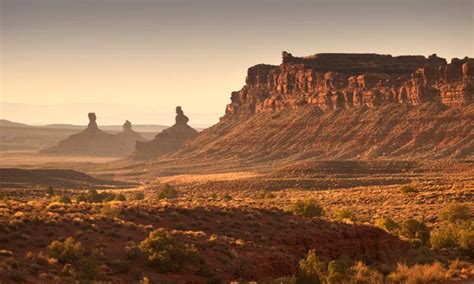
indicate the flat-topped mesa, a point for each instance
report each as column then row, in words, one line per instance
column 339, row 80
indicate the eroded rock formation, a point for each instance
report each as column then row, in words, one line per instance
column 344, row 106
column 94, row 142
column 334, row 81
column 128, row 138
column 169, row 140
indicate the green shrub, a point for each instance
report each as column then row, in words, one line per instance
column 466, row 238
column 361, row 273
column 65, row 199
column 415, row 229
column 68, row 251
column 454, row 235
column 344, row 215
column 419, row 273
column 444, row 237
column 120, row 197
column 131, row 250
column 79, row 262
column 89, row 266
column 387, row 224
column 455, row 212
column 111, row 211
column 311, row 269
column 264, row 194
column 308, row 208
column 165, row 253
column 167, row 192
column 408, row 188
column 138, row 195
column 94, row 197
column 227, row 197
column 50, row 190
column 336, row 272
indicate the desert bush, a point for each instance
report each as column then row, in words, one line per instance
column 65, row 199
column 131, row 250
column 68, row 251
column 111, row 211
column 50, row 190
column 167, row 191
column 387, row 224
column 336, row 272
column 165, row 253
column 344, row 215
column 78, row 261
column 120, row 197
column 444, row 237
column 361, row 273
column 61, row 199
column 415, row 229
column 408, row 188
column 138, row 195
column 419, row 273
column 308, row 208
column 454, row 235
column 311, row 269
column 93, row 196
column 455, row 212
column 458, row 267
column 264, row 194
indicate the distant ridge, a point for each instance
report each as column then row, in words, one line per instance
column 8, row 123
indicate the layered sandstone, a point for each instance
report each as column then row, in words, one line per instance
column 344, row 106
column 169, row 140
column 335, row 81
column 92, row 141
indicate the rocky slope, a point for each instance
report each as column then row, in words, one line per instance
column 345, row 106
column 94, row 142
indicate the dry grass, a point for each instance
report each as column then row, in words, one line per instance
column 241, row 228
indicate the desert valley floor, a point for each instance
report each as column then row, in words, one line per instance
column 239, row 224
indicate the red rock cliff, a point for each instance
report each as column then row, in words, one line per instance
column 332, row 81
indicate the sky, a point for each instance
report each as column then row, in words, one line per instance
column 138, row 59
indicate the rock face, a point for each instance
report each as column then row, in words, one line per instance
column 169, row 140
column 344, row 106
column 335, row 81
column 94, row 142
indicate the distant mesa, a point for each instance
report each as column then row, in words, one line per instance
column 169, row 140
column 94, row 142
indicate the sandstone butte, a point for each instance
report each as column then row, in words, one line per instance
column 167, row 141
column 94, row 142
column 345, row 106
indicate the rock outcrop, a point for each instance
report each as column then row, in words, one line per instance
column 128, row 138
column 169, row 140
column 94, row 142
column 343, row 106
column 335, row 81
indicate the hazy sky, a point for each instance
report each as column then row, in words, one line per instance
column 138, row 59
